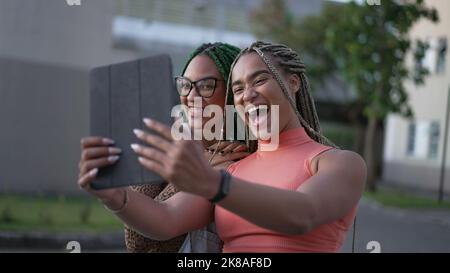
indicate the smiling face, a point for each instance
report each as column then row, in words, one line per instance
column 254, row 88
column 199, row 68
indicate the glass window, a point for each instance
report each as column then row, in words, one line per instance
column 411, row 138
column 442, row 54
column 434, row 140
column 423, row 140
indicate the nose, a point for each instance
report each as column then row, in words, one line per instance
column 193, row 94
column 249, row 94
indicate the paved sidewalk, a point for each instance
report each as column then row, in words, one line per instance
column 397, row 230
column 57, row 242
column 400, row 230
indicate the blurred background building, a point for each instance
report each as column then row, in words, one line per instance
column 47, row 49
column 414, row 148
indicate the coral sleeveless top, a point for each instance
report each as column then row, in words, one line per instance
column 287, row 167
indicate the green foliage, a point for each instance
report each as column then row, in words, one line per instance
column 395, row 198
column 341, row 135
column 273, row 21
column 55, row 214
column 85, row 214
column 370, row 44
column 6, row 215
column 46, row 218
column 365, row 44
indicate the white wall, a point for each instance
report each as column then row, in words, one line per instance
column 429, row 104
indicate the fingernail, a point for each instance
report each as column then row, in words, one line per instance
column 141, row 159
column 135, row 147
column 108, row 141
column 93, row 172
column 138, row 132
column 113, row 158
column 114, row 150
column 147, row 121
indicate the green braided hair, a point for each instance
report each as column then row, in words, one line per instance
column 222, row 54
column 280, row 57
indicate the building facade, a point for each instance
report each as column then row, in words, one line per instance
column 47, row 49
column 414, row 148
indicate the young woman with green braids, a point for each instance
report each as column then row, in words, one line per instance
column 208, row 67
column 300, row 197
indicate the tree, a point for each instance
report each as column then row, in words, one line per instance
column 369, row 44
column 366, row 44
column 274, row 22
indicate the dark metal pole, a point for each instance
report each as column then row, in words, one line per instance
column 444, row 152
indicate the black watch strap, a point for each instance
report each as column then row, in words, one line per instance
column 224, row 187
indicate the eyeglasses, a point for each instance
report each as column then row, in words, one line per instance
column 205, row 87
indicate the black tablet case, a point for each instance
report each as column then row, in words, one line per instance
column 121, row 95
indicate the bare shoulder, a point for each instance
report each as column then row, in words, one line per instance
column 342, row 156
column 342, row 161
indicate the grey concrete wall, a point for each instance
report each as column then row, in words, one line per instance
column 420, row 176
column 46, row 50
column 50, row 31
column 43, row 115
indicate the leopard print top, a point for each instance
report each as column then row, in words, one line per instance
column 137, row 243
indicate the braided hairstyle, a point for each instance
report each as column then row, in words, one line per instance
column 278, row 56
column 222, row 54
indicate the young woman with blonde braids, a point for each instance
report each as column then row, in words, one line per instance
column 301, row 197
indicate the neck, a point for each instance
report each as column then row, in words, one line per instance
column 293, row 123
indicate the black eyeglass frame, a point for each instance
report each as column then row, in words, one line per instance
column 195, row 83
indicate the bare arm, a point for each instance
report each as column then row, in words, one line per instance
column 158, row 220
column 327, row 196
column 162, row 221
column 182, row 212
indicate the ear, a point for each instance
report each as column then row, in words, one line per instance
column 294, row 83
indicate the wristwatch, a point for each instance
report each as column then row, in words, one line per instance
column 224, row 188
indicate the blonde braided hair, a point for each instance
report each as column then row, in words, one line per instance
column 303, row 105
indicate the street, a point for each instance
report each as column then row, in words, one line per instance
column 400, row 230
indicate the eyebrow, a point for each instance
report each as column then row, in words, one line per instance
column 252, row 76
column 204, row 78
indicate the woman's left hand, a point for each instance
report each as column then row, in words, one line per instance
column 180, row 162
column 225, row 154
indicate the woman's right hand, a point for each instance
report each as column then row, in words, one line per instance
column 97, row 152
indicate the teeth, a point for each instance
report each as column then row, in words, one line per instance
column 257, row 108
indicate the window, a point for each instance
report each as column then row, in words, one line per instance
column 441, row 56
column 423, row 140
column 411, row 138
column 430, row 58
column 434, row 140
column 434, row 59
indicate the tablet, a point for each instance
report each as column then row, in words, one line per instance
column 121, row 95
